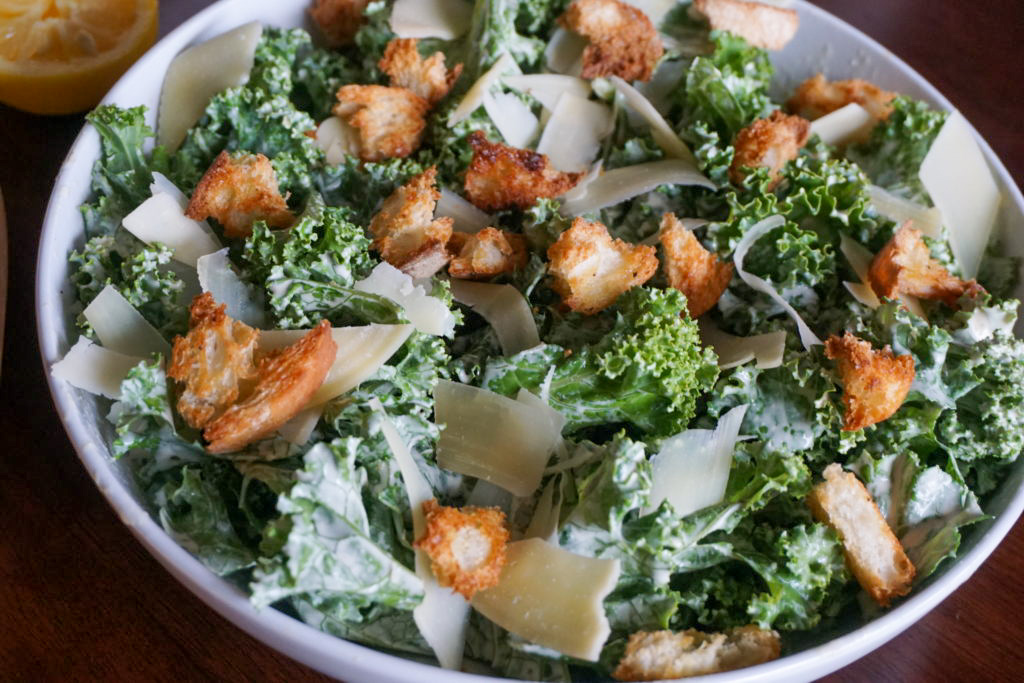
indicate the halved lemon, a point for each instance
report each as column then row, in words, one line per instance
column 61, row 56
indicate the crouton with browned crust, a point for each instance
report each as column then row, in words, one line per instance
column 486, row 253
column 389, row 121
column 405, row 232
column 657, row 655
column 759, row 24
column 238, row 190
column 214, row 361
column 591, row 270
column 875, row 383
column 905, row 266
column 287, row 379
column 502, row 177
column 466, row 546
column 338, row 20
column 428, row 77
column 622, row 40
column 873, row 553
column 816, row 97
column 769, row 143
column 690, row 268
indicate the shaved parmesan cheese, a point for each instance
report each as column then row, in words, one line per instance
column 580, row 190
column 627, row 182
column 427, row 313
column 663, row 134
column 926, row 219
column 443, row 615
column 654, row 9
column 244, row 302
column 857, row 255
column 757, row 231
column 467, row 217
column 121, row 328
column 554, row 418
column 298, row 429
column 162, row 185
column 572, row 137
column 860, row 261
column 851, row 122
column 492, row 437
column 961, row 185
column 337, row 139
column 512, row 117
column 564, row 53
column 552, row 597
column 161, row 219
column 199, row 73
column 544, row 522
column 691, row 470
column 664, row 82
column 547, row 88
column 444, row 19
column 863, row 293
column 474, row 97
column 95, row 369
column 767, row 349
column 505, row 309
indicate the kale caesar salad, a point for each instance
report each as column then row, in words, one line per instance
column 548, row 338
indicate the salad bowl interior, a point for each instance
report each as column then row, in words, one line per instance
column 823, row 43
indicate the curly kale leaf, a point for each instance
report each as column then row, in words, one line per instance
column 492, row 32
column 361, row 187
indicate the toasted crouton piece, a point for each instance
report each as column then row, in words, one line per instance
column 502, row 177
column 769, row 143
column 390, row 121
column 214, row 361
column 873, row 553
column 338, row 20
column 759, row 24
column 875, row 383
column 466, row 546
column 905, row 266
column 287, row 380
column 428, row 78
column 405, row 231
column 816, row 97
column 652, row 656
column 486, row 253
column 692, row 269
column 239, row 190
column 591, row 270
column 623, row 41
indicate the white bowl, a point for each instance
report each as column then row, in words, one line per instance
column 823, row 43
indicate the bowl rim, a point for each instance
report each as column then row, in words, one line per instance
column 335, row 656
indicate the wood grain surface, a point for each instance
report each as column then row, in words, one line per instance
column 81, row 600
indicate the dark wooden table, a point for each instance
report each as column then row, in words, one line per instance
column 81, row 600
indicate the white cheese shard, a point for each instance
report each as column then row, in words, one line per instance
column 243, row 302
column 337, row 139
column 663, row 134
column 544, row 522
column 766, row 349
column 847, row 123
column 121, row 328
column 492, row 437
column 427, row 313
column 444, row 19
column 474, row 97
column 860, row 259
column 654, row 9
column 298, row 429
column 663, row 84
column 162, row 185
column 552, row 597
column 691, row 470
column 161, row 219
column 199, row 73
column 620, row 184
column 95, row 369
column 564, row 52
column 513, row 118
column 467, row 217
column 505, row 309
column 572, row 136
column 960, row 184
column 926, row 219
column 547, row 88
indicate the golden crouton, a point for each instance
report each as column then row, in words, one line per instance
column 905, row 266
column 692, row 269
column 389, row 121
column 428, row 78
column 502, row 177
column 466, row 546
column 816, row 97
column 769, row 143
column 239, row 190
column 591, row 270
column 652, row 656
column 874, row 382
column 405, row 232
column 486, row 253
column 287, row 380
column 873, row 553
column 759, row 24
column 214, row 361
column 338, row 20
column 623, row 41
